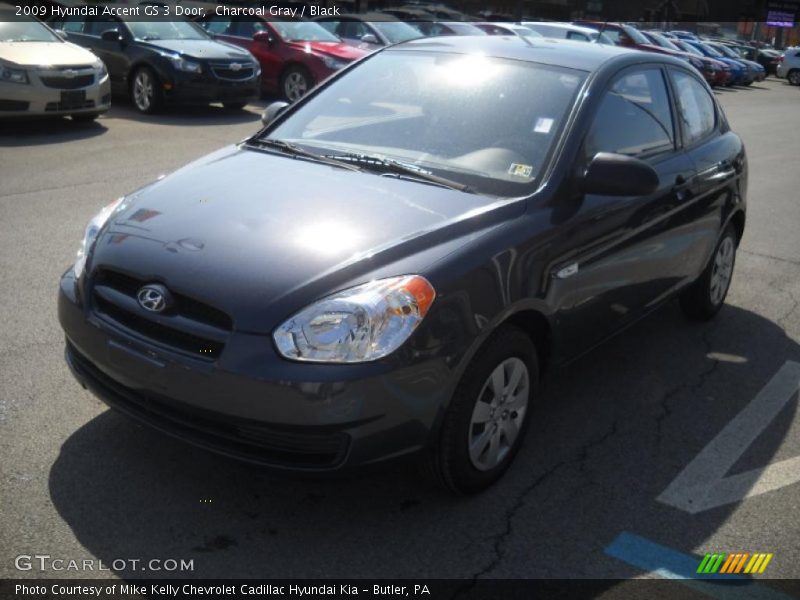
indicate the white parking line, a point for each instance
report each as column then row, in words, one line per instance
column 703, row 485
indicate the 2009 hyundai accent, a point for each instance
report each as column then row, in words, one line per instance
column 393, row 262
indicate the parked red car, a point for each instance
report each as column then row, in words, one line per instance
column 294, row 55
column 712, row 70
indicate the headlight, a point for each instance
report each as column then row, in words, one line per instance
column 333, row 63
column 90, row 234
column 10, row 75
column 182, row 64
column 360, row 324
column 101, row 67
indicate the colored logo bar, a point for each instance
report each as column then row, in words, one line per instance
column 738, row 562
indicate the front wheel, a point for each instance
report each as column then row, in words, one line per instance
column 145, row 91
column 488, row 415
column 703, row 299
column 794, row 77
column 296, row 81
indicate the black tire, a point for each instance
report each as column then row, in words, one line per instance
column 295, row 82
column 85, row 117
column 700, row 301
column 793, row 77
column 448, row 462
column 234, row 105
column 146, row 103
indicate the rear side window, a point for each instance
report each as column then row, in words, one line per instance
column 576, row 35
column 634, row 117
column 696, row 109
column 74, row 25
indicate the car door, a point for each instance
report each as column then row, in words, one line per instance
column 617, row 257
column 268, row 54
column 714, row 152
column 112, row 53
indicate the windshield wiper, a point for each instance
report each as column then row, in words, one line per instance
column 395, row 167
column 295, row 150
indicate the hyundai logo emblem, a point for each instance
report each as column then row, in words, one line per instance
column 154, row 298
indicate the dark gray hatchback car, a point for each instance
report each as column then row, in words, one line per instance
column 392, row 263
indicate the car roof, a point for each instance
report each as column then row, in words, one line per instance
column 562, row 53
column 368, row 17
column 561, row 25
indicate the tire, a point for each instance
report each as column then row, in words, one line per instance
column 793, row 77
column 295, row 82
column 146, row 92
column 234, row 105
column 467, row 457
column 85, row 117
column 703, row 298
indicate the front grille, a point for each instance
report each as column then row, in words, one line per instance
column 14, row 105
column 269, row 444
column 224, row 71
column 189, row 326
column 67, row 83
column 57, row 106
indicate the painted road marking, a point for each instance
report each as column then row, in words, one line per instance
column 703, row 483
column 671, row 564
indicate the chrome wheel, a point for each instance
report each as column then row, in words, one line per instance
column 498, row 414
column 722, row 270
column 295, row 85
column 143, row 91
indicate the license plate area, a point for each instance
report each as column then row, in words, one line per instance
column 74, row 99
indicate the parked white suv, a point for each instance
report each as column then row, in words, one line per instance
column 789, row 65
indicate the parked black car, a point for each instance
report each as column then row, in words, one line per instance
column 159, row 62
column 391, row 265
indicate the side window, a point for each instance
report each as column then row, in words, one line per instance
column 577, row 35
column 695, row 107
column 248, row 28
column 74, row 25
column 353, row 30
column 332, row 26
column 100, row 24
column 634, row 117
column 219, row 25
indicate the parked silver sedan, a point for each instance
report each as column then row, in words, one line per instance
column 42, row 75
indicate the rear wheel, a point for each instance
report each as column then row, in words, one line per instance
column 488, row 415
column 296, row 81
column 146, row 91
column 794, row 77
column 703, row 299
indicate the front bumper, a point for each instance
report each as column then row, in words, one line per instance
column 250, row 404
column 188, row 88
column 51, row 92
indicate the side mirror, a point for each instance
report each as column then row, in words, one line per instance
column 111, row 35
column 263, row 37
column 369, row 38
column 272, row 111
column 619, row 175
column 62, row 34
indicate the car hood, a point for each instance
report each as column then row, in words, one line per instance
column 45, row 53
column 338, row 50
column 260, row 235
column 208, row 49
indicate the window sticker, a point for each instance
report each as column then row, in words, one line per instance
column 543, row 125
column 519, row 170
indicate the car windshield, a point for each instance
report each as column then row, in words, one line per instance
column 165, row 30
column 709, row 49
column 396, row 31
column 689, row 48
column 303, row 31
column 664, row 42
column 726, row 51
column 636, row 35
column 26, row 31
column 483, row 122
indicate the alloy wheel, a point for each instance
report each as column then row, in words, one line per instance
column 794, row 77
column 295, row 86
column 722, row 270
column 143, row 90
column 498, row 414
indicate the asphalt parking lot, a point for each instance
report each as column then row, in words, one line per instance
column 611, row 481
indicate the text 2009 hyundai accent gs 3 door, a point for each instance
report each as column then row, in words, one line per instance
column 390, row 266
